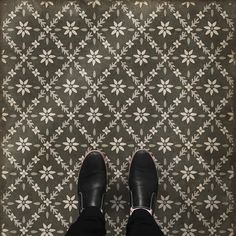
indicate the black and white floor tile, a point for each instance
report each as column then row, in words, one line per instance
column 117, row 76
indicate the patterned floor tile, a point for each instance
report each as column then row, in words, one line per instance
column 118, row 76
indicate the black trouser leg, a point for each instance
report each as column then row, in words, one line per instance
column 91, row 222
column 142, row 223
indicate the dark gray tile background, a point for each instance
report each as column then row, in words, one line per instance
column 176, row 100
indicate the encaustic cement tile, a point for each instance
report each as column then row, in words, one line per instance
column 117, row 76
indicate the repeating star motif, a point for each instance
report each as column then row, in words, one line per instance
column 118, row 76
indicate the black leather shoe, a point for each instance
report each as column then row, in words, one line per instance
column 92, row 181
column 143, row 181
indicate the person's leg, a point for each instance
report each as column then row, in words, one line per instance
column 91, row 222
column 143, row 188
column 142, row 223
column 92, row 183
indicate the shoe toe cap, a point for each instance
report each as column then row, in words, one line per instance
column 94, row 160
column 143, row 159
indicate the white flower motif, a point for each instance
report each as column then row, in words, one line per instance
column 188, row 57
column 212, row 29
column 12, row 73
column 47, row 114
column 117, row 202
column 23, row 145
column 165, row 202
column 70, row 87
column 153, row 14
column 4, row 57
column 46, row 57
column 117, row 144
column 188, row 230
column 23, row 29
column 94, row 3
column 59, row 73
column 165, row 58
column 165, row 29
column 177, row 15
column 141, row 3
column 117, row 173
column 200, row 188
column 231, row 115
column 212, row 87
column 117, row 86
column 70, row 28
column 224, row 14
column 94, row 115
column 188, row 115
column 212, row 203
column 200, row 15
column 141, row 115
column 211, row 145
column 23, row 57
column 165, row 145
column 47, row 173
column 23, row 202
column 5, row 172
column 188, row 4
column 117, row 29
column 47, row 230
column 141, row 57
column 188, row 173
column 232, row 58
column 189, row 29
column 94, row 57
column 47, row 3
column 70, row 144
column 224, row 44
column 23, row 230
column 23, row 87
column 70, row 202
column 164, row 87
column 200, row 73
column 47, row 29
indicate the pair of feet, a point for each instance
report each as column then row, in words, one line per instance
column 143, row 181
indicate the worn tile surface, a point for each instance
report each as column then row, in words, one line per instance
column 117, row 76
